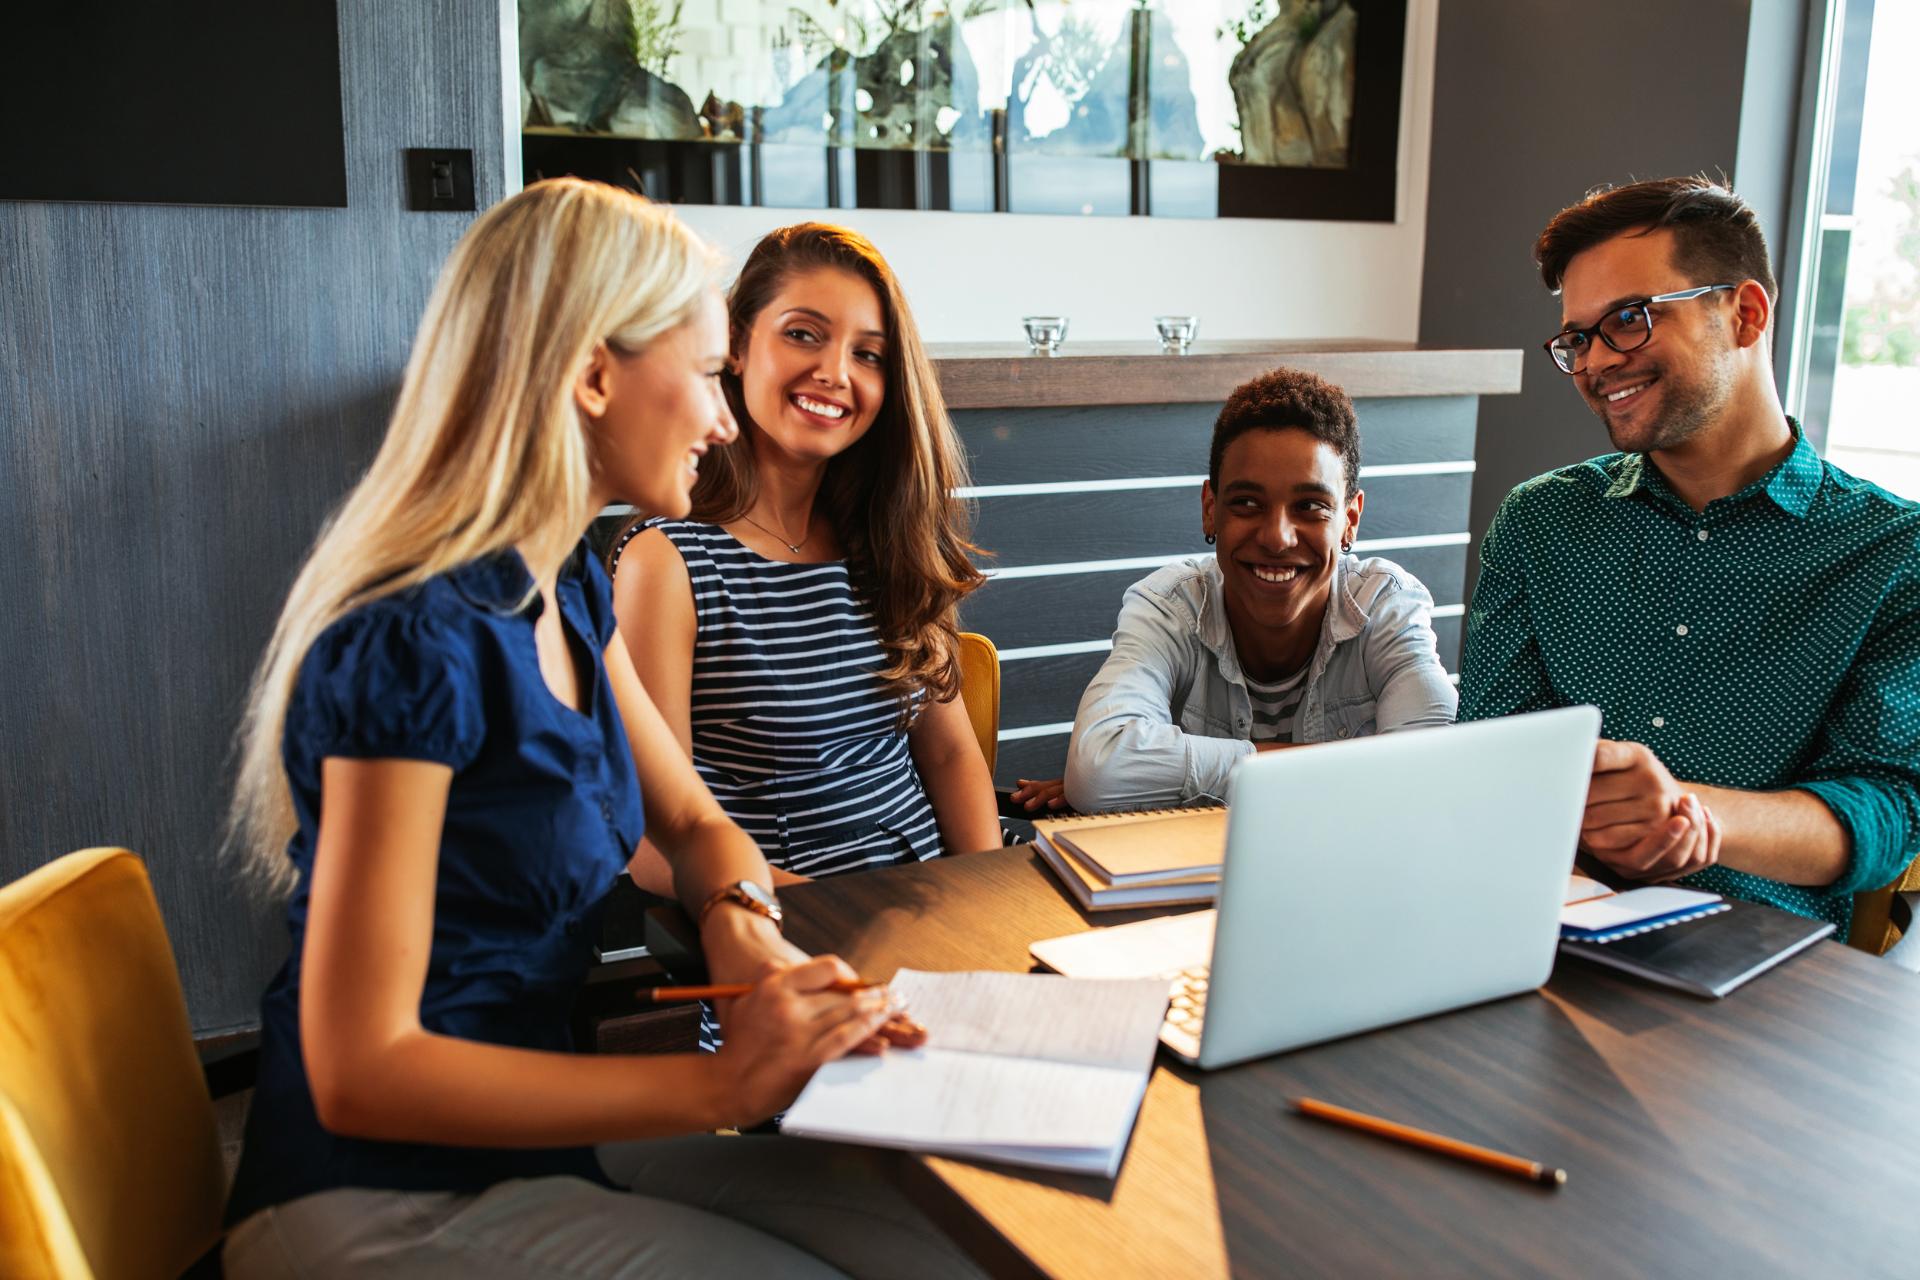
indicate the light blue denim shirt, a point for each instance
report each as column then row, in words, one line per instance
column 1168, row 716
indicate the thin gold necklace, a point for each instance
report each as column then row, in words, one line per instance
column 806, row 532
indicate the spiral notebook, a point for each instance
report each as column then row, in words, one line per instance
column 1604, row 916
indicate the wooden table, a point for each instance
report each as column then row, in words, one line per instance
column 1774, row 1132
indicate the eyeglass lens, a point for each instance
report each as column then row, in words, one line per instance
column 1623, row 329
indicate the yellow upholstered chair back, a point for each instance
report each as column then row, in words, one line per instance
column 980, row 690
column 1873, row 929
column 109, row 1155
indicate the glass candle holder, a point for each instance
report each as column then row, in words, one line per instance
column 1045, row 334
column 1177, row 332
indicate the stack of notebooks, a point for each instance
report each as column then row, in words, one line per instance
column 1682, row 938
column 1158, row 858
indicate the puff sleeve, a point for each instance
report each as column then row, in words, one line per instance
column 388, row 682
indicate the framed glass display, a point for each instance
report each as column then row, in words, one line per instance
column 1189, row 108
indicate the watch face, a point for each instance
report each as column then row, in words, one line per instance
column 759, row 895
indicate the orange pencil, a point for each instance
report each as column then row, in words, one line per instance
column 732, row 990
column 1532, row 1170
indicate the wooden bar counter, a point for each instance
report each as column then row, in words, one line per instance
column 1008, row 375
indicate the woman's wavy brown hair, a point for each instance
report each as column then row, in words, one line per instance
column 890, row 497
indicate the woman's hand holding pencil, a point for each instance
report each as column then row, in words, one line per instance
column 899, row 1030
column 796, row 1018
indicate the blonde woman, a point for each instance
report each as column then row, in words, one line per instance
column 798, row 631
column 447, row 759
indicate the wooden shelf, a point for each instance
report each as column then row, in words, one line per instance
column 1007, row 375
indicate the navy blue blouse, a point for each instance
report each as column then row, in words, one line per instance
column 543, row 813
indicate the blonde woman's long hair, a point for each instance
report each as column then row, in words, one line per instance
column 890, row 499
column 486, row 449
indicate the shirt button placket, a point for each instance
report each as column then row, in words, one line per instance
column 1681, row 630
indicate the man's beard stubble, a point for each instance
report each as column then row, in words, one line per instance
column 1690, row 404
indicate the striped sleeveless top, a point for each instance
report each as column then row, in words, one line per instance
column 793, row 731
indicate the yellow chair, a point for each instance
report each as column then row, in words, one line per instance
column 109, row 1154
column 980, row 690
column 1874, row 928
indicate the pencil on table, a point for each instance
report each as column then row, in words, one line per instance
column 733, row 990
column 1532, row 1170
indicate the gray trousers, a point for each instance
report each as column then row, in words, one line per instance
column 703, row 1206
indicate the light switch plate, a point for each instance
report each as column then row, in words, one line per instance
column 439, row 178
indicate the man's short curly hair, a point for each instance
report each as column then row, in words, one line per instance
column 1289, row 398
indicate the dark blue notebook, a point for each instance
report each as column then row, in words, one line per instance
column 1708, row 956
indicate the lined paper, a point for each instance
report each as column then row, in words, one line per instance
column 1028, row 1068
column 1101, row 1022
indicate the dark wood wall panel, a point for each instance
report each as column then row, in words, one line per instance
column 1447, row 634
column 1030, row 758
column 1037, row 691
column 1062, row 609
column 1032, row 529
column 1021, row 446
column 184, row 393
column 1417, row 429
column 1442, row 570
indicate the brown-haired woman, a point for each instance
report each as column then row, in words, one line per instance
column 798, row 631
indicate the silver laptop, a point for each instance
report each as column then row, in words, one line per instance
column 1367, row 883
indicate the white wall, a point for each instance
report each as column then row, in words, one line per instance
column 971, row 276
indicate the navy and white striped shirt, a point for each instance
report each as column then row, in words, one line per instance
column 794, row 732
column 1274, row 706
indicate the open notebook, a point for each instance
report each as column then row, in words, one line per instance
column 1026, row 1068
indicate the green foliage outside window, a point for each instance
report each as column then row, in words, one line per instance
column 1884, row 326
column 653, row 33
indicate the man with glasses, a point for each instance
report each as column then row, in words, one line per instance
column 1746, row 616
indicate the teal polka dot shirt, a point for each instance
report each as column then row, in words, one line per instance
column 1770, row 641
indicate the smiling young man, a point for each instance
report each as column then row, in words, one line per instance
column 1746, row 616
column 1281, row 638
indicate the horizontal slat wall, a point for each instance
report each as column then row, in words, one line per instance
column 1029, row 529
column 1021, row 446
column 1076, row 504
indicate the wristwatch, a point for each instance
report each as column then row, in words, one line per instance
column 746, row 893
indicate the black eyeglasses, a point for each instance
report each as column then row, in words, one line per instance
column 1625, row 328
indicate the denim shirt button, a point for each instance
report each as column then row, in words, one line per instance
column 1343, row 732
